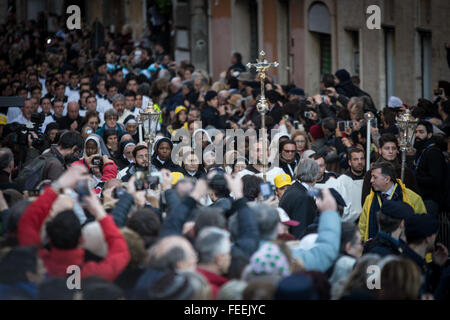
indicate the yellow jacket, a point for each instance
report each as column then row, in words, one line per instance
column 409, row 196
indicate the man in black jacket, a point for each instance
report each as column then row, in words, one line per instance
column 429, row 167
column 296, row 202
column 288, row 162
column 213, row 114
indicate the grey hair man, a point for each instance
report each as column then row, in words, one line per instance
column 118, row 101
column 296, row 202
column 214, row 250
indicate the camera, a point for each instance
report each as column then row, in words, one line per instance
column 308, row 114
column 296, row 124
column 118, row 192
column 147, row 181
column 82, row 189
column 438, row 92
column 97, row 161
column 266, row 190
column 315, row 193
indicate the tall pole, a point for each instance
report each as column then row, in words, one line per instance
column 368, row 146
column 261, row 67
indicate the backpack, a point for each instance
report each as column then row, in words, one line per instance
column 31, row 175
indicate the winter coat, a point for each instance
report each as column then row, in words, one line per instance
column 299, row 206
column 368, row 226
column 56, row 260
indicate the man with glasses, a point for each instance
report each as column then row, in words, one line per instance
column 288, row 162
column 140, row 154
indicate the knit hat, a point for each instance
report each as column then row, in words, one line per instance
column 211, row 94
column 397, row 209
column 394, row 102
column 420, row 226
column 171, row 286
column 269, row 260
column 316, row 132
column 296, row 287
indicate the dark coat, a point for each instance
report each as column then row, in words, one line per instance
column 285, row 166
column 211, row 117
column 169, row 165
column 299, row 206
column 430, row 173
column 383, row 245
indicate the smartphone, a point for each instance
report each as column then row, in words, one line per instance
column 82, row 189
column 296, row 124
column 438, row 92
column 341, row 126
column 266, row 190
column 308, row 114
column 315, row 193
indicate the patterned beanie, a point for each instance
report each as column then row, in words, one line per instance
column 269, row 260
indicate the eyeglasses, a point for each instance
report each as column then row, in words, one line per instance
column 289, row 151
column 142, row 156
column 300, row 141
column 111, row 118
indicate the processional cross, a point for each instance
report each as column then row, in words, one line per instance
column 261, row 67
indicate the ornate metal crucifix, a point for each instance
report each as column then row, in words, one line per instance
column 261, row 67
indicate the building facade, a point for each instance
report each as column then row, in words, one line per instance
column 405, row 57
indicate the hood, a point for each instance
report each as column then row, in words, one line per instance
column 158, row 142
column 101, row 147
column 343, row 75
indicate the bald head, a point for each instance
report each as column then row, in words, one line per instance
column 72, row 110
column 173, row 253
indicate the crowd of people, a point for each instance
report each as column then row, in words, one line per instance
column 80, row 188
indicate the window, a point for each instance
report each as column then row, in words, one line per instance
column 325, row 53
column 425, row 64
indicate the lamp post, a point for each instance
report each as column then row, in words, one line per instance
column 261, row 67
column 406, row 124
column 369, row 118
column 149, row 119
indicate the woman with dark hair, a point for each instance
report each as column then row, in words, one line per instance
column 111, row 139
column 180, row 120
column 51, row 134
column 162, row 153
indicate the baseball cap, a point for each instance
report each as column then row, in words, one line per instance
column 180, row 108
column 284, row 218
column 282, row 180
column 176, row 176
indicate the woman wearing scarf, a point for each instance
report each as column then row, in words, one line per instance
column 162, row 153
column 125, row 154
column 94, row 148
